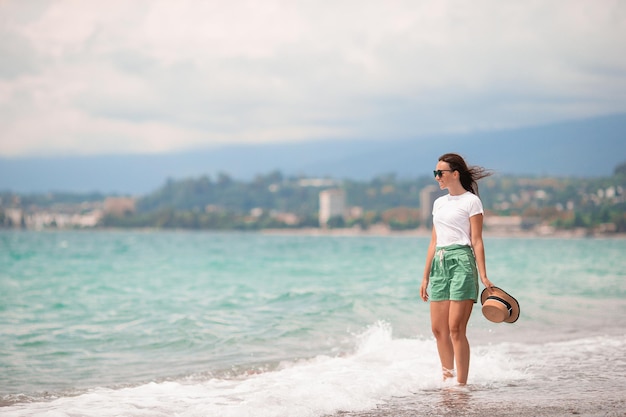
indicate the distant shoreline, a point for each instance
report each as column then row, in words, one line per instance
column 348, row 232
column 421, row 232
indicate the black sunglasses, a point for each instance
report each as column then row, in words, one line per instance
column 439, row 172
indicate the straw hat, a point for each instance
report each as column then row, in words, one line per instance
column 499, row 306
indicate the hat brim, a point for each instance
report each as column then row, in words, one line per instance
column 500, row 293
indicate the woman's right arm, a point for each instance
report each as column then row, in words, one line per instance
column 429, row 259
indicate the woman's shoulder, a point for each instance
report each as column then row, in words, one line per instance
column 473, row 203
column 441, row 200
column 470, row 196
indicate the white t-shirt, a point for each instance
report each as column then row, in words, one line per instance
column 451, row 217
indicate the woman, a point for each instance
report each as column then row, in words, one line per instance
column 455, row 250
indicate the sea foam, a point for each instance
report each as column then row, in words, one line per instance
column 379, row 368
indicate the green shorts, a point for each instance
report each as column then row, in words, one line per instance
column 453, row 274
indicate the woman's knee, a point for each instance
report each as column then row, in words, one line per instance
column 441, row 332
column 457, row 332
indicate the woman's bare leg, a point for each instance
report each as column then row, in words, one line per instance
column 440, row 322
column 458, row 317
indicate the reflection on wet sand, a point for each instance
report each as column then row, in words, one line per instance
column 455, row 399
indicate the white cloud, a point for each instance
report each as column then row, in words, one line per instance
column 154, row 76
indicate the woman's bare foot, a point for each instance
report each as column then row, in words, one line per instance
column 448, row 373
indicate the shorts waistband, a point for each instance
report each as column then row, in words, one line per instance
column 442, row 251
column 453, row 247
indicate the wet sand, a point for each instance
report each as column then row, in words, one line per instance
column 453, row 402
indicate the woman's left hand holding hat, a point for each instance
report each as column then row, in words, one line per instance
column 487, row 284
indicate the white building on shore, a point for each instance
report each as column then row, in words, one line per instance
column 332, row 204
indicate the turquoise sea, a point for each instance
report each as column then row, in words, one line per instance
column 120, row 323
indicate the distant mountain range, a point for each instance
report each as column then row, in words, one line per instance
column 581, row 148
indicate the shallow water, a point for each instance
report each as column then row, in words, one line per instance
column 229, row 324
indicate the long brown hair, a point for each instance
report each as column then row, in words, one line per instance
column 469, row 174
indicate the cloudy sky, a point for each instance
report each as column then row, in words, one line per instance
column 104, row 77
